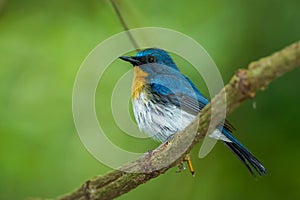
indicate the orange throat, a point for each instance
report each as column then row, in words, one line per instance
column 138, row 82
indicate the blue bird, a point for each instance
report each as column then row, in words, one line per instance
column 165, row 101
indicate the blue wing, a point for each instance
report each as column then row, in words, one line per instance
column 179, row 91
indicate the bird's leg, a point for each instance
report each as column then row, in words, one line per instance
column 189, row 163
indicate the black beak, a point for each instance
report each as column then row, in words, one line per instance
column 133, row 60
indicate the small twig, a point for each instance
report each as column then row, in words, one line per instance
column 124, row 25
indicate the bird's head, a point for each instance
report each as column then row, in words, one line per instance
column 151, row 56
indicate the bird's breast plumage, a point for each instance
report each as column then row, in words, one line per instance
column 156, row 117
column 139, row 81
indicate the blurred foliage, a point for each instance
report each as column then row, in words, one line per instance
column 43, row 43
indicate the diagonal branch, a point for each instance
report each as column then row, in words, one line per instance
column 243, row 85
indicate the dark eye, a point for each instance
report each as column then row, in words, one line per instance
column 150, row 59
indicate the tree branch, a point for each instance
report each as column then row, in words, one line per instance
column 243, row 85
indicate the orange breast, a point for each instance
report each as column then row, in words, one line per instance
column 138, row 81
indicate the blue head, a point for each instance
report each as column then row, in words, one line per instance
column 151, row 56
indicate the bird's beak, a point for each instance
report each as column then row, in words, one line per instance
column 133, row 60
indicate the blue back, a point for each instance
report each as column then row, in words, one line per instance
column 166, row 80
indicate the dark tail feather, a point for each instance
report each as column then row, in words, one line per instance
column 243, row 154
column 246, row 157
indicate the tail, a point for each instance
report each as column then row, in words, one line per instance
column 243, row 154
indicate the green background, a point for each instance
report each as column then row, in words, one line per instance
column 43, row 43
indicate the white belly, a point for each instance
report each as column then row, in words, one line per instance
column 159, row 121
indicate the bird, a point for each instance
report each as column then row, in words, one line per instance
column 166, row 101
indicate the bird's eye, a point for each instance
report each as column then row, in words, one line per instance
column 151, row 59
